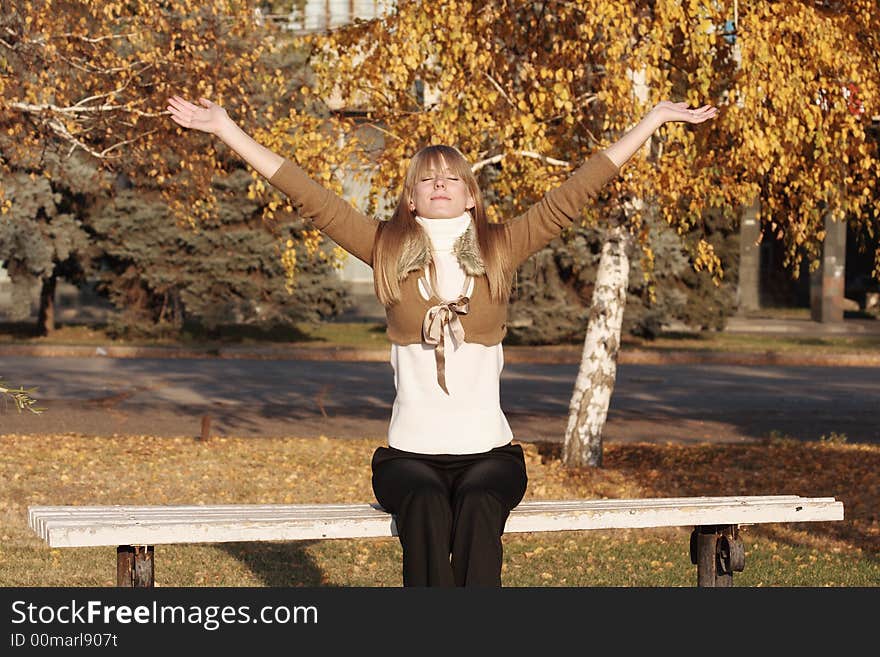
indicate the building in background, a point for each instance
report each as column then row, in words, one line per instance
column 322, row 15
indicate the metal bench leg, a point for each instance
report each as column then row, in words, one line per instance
column 718, row 553
column 134, row 566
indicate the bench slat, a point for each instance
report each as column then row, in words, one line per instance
column 37, row 515
column 83, row 516
column 73, row 526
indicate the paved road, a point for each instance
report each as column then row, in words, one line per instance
column 678, row 403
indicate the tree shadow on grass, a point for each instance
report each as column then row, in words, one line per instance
column 20, row 330
column 278, row 564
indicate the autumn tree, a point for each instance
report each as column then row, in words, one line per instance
column 527, row 90
column 89, row 79
column 799, row 117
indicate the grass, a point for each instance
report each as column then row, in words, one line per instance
column 79, row 469
column 354, row 334
column 372, row 335
column 800, row 312
column 757, row 343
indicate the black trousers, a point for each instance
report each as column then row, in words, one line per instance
column 450, row 511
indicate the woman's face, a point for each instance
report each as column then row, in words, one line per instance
column 439, row 193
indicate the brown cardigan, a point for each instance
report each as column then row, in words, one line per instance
column 486, row 321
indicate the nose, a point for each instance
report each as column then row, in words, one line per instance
column 439, row 182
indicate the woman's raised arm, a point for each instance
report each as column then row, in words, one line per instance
column 543, row 221
column 213, row 119
column 624, row 148
column 327, row 212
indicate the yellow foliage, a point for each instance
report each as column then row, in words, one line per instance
column 804, row 97
column 288, row 260
column 797, row 86
column 93, row 76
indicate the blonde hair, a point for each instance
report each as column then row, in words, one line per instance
column 401, row 231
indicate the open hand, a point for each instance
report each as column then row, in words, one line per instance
column 208, row 118
column 669, row 111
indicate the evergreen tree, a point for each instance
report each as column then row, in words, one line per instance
column 226, row 270
column 42, row 236
column 551, row 300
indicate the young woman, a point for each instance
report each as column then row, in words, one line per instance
column 450, row 473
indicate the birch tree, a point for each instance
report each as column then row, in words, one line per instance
column 801, row 109
column 597, row 372
column 83, row 88
column 796, row 80
column 527, row 90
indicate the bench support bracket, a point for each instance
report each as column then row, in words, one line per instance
column 718, row 553
column 134, row 566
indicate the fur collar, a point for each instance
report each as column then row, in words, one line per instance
column 416, row 254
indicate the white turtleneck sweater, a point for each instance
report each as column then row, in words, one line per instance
column 468, row 420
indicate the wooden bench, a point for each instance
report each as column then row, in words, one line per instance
column 715, row 547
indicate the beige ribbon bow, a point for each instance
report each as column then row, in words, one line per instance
column 433, row 331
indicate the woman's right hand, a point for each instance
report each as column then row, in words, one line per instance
column 208, row 118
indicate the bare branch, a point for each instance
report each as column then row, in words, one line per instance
column 92, row 70
column 127, row 141
column 61, row 130
column 39, row 109
column 581, row 101
column 109, row 93
column 495, row 159
column 500, row 90
column 383, row 130
column 71, row 35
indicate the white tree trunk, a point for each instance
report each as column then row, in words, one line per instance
column 598, row 369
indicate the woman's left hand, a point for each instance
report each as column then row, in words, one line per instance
column 668, row 111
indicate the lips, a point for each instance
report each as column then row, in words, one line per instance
column 440, row 198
